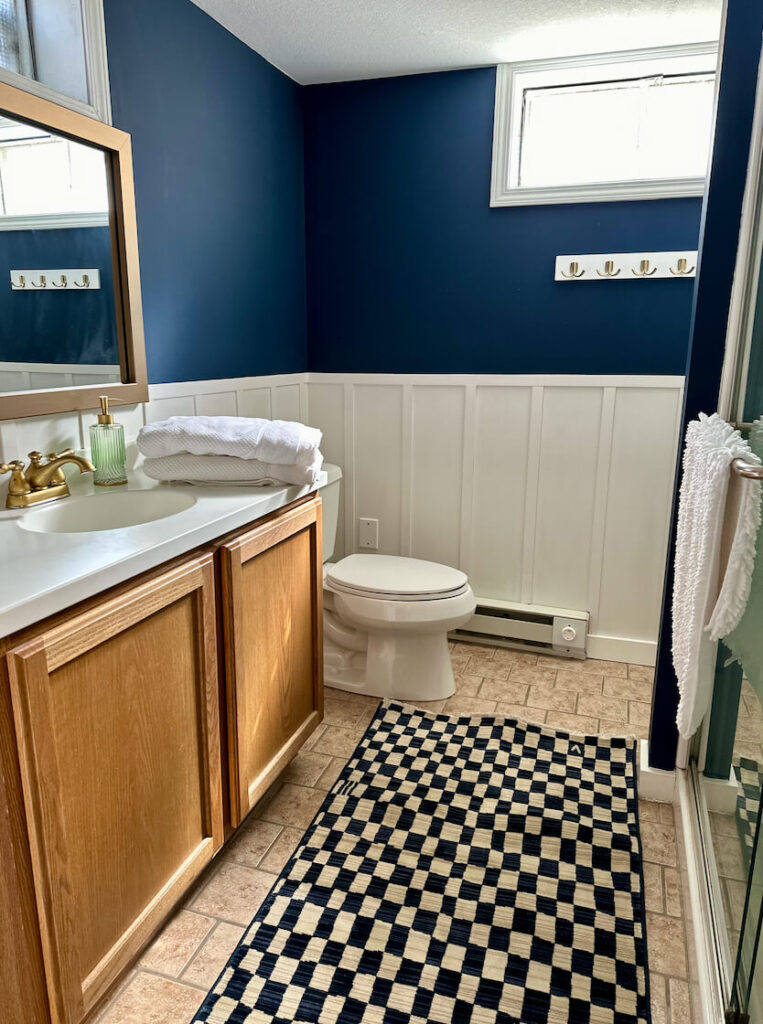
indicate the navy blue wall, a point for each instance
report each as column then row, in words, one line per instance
column 409, row 269
column 58, row 326
column 219, row 183
column 720, row 235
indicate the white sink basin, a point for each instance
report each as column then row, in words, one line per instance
column 109, row 511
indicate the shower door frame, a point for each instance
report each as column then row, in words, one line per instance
column 710, row 935
column 747, row 274
column 709, row 930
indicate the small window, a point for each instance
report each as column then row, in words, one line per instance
column 599, row 129
column 49, row 181
column 15, row 46
column 57, row 49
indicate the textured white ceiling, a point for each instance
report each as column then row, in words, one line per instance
column 339, row 40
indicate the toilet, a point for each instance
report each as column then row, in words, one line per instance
column 386, row 618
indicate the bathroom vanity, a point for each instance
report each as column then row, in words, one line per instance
column 140, row 725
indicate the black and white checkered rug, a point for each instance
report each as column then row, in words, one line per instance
column 749, row 782
column 463, row 870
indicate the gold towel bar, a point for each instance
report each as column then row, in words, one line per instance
column 743, row 468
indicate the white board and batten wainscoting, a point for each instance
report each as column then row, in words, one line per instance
column 25, row 376
column 549, row 490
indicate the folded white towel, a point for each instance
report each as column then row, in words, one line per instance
column 205, row 469
column 278, row 442
column 711, row 446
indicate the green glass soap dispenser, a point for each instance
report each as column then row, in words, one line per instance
column 107, row 448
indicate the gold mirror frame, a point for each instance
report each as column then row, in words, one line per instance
column 124, row 243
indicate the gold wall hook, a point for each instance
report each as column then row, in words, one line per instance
column 85, row 283
column 62, row 284
column 609, row 269
column 21, row 281
column 43, row 282
column 643, row 270
column 575, row 270
column 682, row 268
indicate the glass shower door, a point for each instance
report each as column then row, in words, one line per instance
column 731, row 783
column 732, row 766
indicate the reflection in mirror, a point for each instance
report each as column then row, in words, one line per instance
column 58, row 324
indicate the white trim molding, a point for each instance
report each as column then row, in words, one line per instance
column 94, row 25
column 513, row 79
column 654, row 783
column 53, row 221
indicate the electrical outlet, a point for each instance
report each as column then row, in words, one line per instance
column 368, row 534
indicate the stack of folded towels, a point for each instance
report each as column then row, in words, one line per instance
column 230, row 450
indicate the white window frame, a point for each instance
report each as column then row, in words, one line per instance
column 97, row 68
column 513, row 79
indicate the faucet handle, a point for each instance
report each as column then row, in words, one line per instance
column 57, row 455
column 18, row 483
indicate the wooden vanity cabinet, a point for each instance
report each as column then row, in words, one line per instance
column 121, row 721
column 271, row 579
column 116, row 718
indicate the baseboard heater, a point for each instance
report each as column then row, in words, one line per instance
column 528, row 627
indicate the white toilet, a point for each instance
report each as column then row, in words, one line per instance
column 386, row 618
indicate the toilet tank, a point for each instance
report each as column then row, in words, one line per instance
column 330, row 492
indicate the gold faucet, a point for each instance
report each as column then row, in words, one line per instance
column 41, row 481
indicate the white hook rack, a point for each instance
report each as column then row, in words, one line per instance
column 627, row 266
column 55, row 280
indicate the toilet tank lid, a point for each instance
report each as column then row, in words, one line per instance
column 333, row 473
column 393, row 574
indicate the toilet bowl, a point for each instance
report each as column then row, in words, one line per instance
column 386, row 620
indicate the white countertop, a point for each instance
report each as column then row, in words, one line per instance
column 44, row 573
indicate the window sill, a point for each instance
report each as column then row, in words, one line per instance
column 607, row 192
column 54, row 221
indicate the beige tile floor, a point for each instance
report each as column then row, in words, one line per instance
column 169, row 981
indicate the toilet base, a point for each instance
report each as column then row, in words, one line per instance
column 398, row 666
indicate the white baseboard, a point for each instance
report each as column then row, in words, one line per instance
column 721, row 794
column 619, row 648
column 654, row 783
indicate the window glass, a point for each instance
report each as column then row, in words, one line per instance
column 657, row 127
column 14, row 45
column 46, row 41
column 46, row 174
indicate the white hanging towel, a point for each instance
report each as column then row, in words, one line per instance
column 700, row 612
column 277, row 442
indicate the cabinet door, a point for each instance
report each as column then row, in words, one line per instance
column 272, row 583
column 117, row 725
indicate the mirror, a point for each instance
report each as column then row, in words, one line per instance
column 70, row 317
column 57, row 316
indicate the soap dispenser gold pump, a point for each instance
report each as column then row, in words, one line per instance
column 107, row 447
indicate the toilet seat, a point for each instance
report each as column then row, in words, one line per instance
column 395, row 578
column 386, row 623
